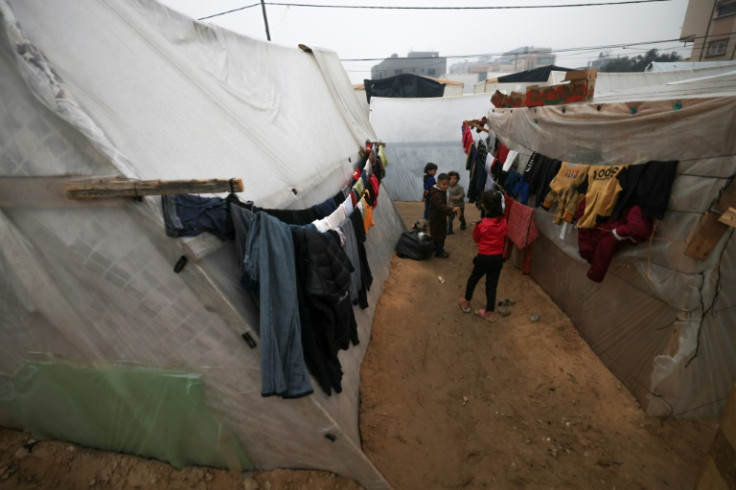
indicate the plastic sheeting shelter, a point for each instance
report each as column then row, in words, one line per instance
column 417, row 131
column 663, row 321
column 97, row 327
column 631, row 84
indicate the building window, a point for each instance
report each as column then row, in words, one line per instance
column 431, row 71
column 726, row 9
column 717, row 48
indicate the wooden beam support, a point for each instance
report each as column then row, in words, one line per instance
column 706, row 235
column 44, row 192
column 729, row 217
column 116, row 187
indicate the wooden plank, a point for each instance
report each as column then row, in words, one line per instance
column 116, row 187
column 44, row 193
column 720, row 471
column 706, row 235
column 728, row 217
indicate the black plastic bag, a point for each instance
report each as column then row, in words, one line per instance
column 414, row 245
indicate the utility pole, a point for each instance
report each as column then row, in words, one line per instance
column 704, row 48
column 265, row 19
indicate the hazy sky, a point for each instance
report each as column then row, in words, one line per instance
column 576, row 34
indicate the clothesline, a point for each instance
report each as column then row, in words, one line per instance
column 613, row 191
column 540, row 209
column 306, row 268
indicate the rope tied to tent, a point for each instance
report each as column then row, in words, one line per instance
column 711, row 307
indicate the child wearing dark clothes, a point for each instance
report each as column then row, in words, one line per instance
column 430, row 169
column 456, row 195
column 438, row 214
column 490, row 235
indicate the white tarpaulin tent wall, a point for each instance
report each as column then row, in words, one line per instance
column 617, row 85
column 675, row 82
column 491, row 85
column 102, row 342
column 421, row 130
column 663, row 322
column 659, row 66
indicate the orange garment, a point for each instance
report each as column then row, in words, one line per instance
column 603, row 191
column 367, row 215
column 563, row 191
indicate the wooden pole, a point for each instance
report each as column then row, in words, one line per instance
column 708, row 232
column 116, row 187
column 265, row 20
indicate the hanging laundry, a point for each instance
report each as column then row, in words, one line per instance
column 470, row 160
column 242, row 218
column 539, row 172
column 467, row 137
column 331, row 222
column 366, row 277
column 522, row 230
column 359, row 186
column 282, row 257
column 367, row 211
column 269, row 262
column 509, row 160
column 598, row 245
column 479, row 176
column 383, row 160
column 649, row 186
column 374, row 186
column 512, row 183
column 191, row 215
column 351, row 250
column 564, row 191
column 328, row 321
column 602, row 193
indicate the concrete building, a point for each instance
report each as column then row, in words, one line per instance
column 710, row 25
column 516, row 60
column 422, row 63
column 524, row 58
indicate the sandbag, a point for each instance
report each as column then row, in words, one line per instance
column 414, row 245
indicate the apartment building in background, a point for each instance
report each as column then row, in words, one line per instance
column 523, row 59
column 710, row 25
column 422, row 63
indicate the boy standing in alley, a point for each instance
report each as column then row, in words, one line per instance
column 439, row 211
column 456, row 196
column 428, row 181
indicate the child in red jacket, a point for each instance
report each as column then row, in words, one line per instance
column 490, row 235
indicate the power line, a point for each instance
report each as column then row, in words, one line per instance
column 581, row 52
column 376, row 7
column 500, row 7
column 698, row 42
column 230, row 11
column 556, row 51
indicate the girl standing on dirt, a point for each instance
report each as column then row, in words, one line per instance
column 490, row 234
